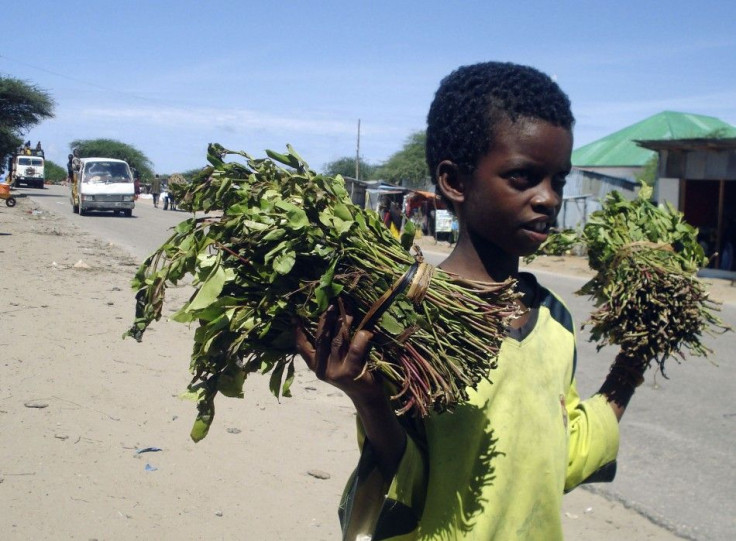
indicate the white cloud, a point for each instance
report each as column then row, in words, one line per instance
column 210, row 118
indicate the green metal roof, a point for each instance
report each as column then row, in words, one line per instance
column 620, row 149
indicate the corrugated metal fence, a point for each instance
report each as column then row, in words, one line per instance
column 583, row 194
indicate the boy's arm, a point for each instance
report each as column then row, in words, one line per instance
column 593, row 430
column 593, row 439
column 341, row 361
column 382, row 429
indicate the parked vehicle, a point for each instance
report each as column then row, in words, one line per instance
column 103, row 184
column 5, row 194
column 27, row 167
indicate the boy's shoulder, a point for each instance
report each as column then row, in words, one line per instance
column 548, row 300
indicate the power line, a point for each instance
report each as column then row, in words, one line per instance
column 87, row 83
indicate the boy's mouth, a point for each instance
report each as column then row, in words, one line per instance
column 538, row 227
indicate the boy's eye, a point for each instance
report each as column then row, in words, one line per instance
column 560, row 181
column 519, row 175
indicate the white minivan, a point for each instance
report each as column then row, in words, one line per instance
column 103, row 184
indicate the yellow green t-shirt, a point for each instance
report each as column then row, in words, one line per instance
column 497, row 467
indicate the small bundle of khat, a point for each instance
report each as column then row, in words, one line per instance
column 648, row 298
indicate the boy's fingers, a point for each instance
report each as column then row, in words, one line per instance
column 304, row 345
column 333, row 343
column 324, row 341
column 341, row 340
column 359, row 348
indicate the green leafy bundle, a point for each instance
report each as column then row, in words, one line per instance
column 558, row 243
column 279, row 243
column 648, row 298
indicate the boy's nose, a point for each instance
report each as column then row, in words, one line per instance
column 547, row 196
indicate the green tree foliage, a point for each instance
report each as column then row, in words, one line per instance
column 109, row 148
column 191, row 174
column 650, row 171
column 408, row 166
column 346, row 168
column 22, row 106
column 718, row 133
column 53, row 172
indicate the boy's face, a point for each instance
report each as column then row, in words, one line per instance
column 515, row 193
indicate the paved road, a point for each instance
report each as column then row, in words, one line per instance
column 677, row 463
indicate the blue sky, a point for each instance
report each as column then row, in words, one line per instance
column 170, row 77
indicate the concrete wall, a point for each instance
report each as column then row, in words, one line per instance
column 668, row 190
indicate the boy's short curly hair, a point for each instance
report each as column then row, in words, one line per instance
column 472, row 99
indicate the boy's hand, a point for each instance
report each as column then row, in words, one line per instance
column 337, row 359
column 625, row 375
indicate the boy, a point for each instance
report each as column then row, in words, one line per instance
column 499, row 140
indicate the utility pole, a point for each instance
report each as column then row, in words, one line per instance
column 357, row 155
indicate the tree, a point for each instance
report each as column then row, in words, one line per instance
column 649, row 172
column 22, row 106
column 407, row 167
column 346, row 168
column 192, row 174
column 109, row 148
column 53, row 172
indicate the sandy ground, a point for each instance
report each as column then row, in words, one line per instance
column 96, row 441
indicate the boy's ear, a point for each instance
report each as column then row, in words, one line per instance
column 450, row 181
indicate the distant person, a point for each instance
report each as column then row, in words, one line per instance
column 70, row 168
column 384, row 211
column 454, row 230
column 136, row 183
column 76, row 160
column 175, row 181
column 76, row 167
column 156, row 190
column 395, row 219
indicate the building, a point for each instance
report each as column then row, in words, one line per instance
column 698, row 177
column 618, row 154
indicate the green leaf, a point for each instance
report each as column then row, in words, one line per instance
column 390, row 324
column 284, row 262
column 342, row 211
column 327, row 289
column 205, row 416
column 286, row 387
column 296, row 155
column 286, row 159
column 230, row 382
column 408, row 235
column 209, row 290
column 274, row 235
column 200, row 428
column 296, row 217
column 343, row 227
column 274, row 383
